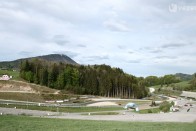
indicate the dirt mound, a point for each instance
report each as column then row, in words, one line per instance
column 24, row 87
column 5, row 87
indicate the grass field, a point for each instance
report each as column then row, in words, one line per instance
column 26, row 123
column 146, row 111
column 177, row 86
column 62, row 109
column 182, row 85
column 102, row 113
column 14, row 74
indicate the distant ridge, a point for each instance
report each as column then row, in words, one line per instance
column 56, row 58
column 184, row 77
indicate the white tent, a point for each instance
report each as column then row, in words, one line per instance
column 131, row 105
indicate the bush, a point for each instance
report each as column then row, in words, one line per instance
column 172, row 103
column 150, row 111
column 165, row 106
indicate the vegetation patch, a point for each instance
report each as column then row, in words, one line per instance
column 101, row 80
column 14, row 74
column 40, row 124
column 102, row 113
column 61, row 109
column 146, row 111
column 165, row 106
column 168, row 92
column 21, row 96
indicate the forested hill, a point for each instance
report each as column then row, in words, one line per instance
column 49, row 58
column 184, row 77
column 58, row 58
column 99, row 80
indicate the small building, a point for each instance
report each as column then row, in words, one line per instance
column 5, row 77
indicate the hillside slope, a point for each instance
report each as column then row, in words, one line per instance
column 18, row 90
column 184, row 77
column 50, row 58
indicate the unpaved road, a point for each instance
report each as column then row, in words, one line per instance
column 182, row 116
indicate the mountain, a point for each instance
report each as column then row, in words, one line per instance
column 184, row 77
column 56, row 58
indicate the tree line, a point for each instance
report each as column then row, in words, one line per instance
column 192, row 87
column 163, row 80
column 101, row 80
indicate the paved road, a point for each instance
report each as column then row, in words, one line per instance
column 128, row 116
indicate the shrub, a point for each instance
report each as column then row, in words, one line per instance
column 165, row 106
column 172, row 103
column 150, row 111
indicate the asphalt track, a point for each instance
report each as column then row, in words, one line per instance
column 182, row 116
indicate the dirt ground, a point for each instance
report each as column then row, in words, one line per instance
column 11, row 88
column 103, row 104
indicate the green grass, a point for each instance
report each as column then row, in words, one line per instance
column 26, row 123
column 182, row 85
column 62, row 109
column 177, row 86
column 169, row 92
column 146, row 111
column 102, row 113
column 21, row 96
column 14, row 74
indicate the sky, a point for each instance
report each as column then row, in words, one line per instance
column 142, row 37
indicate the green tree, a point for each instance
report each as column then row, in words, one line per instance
column 29, row 76
column 43, row 76
column 61, row 81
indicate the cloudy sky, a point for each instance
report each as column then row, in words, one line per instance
column 143, row 37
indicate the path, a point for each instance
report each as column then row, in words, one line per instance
column 128, row 116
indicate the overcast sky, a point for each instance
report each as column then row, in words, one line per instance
column 143, row 37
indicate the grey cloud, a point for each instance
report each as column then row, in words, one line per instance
column 133, row 61
column 121, row 47
column 166, row 57
column 174, row 45
column 71, row 54
column 81, row 45
column 25, row 53
column 93, row 58
column 119, row 26
column 130, row 52
column 156, row 51
column 152, row 49
column 60, row 40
